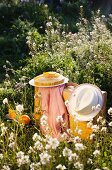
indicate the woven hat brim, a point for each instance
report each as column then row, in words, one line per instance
column 31, row 82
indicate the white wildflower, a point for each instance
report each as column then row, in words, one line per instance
column 103, row 122
column 79, row 166
column 11, row 137
column 35, row 166
column 12, row 145
column 36, row 137
column 19, row 108
column 43, row 120
column 38, row 146
column 5, row 101
column 64, row 135
column 89, row 124
column 59, row 119
column 79, row 146
column 110, row 124
column 89, row 161
column 79, row 131
column 20, row 154
column 45, row 5
column 103, row 16
column 1, row 156
column 92, row 136
column 95, row 128
column 49, row 24
column 2, row 125
column 22, row 159
column 69, row 131
column 77, row 139
column 105, row 168
column 104, row 129
column 110, row 111
column 73, row 157
column 47, row 147
column 53, row 142
column 5, row 167
column 50, row 17
column 96, row 153
column 3, row 130
column 44, row 158
column 61, row 167
column 77, row 24
column 100, row 118
column 97, row 169
column 31, row 150
column 67, row 152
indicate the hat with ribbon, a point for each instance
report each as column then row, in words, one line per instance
column 48, row 79
column 85, row 102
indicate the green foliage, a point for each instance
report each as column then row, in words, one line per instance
column 16, row 20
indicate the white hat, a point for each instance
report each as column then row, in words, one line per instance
column 48, row 79
column 85, row 102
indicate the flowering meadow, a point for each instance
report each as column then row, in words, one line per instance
column 84, row 56
column 22, row 146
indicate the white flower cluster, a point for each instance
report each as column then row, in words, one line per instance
column 3, row 129
column 67, row 152
column 5, row 101
column 44, row 158
column 35, row 166
column 59, row 119
column 96, row 153
column 61, row 167
column 1, row 156
column 72, row 157
column 76, row 139
column 110, row 111
column 79, row 166
column 5, row 167
column 12, row 143
column 22, row 159
column 110, row 124
column 37, row 137
column 79, row 146
column 38, row 146
column 95, row 128
column 19, row 108
column 52, row 143
column 44, row 120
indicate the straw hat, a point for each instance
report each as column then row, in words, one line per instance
column 48, row 79
column 85, row 102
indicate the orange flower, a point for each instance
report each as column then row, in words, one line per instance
column 25, row 119
column 12, row 114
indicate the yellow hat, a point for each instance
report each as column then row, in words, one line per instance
column 48, row 79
